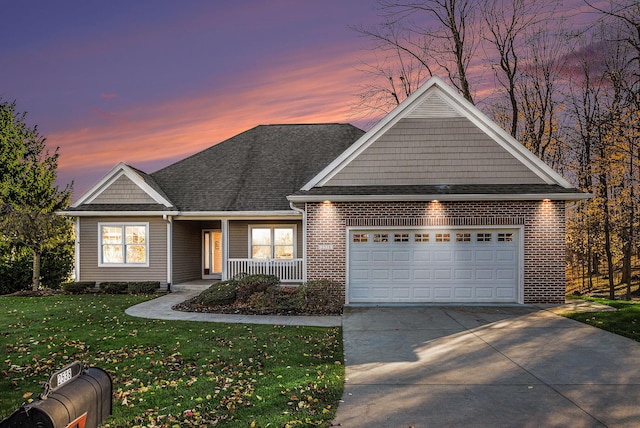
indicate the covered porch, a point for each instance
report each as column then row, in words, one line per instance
column 223, row 248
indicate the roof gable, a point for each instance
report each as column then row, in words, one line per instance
column 124, row 185
column 436, row 137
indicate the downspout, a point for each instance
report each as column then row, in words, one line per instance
column 304, row 238
column 169, row 220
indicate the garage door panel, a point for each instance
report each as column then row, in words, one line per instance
column 380, row 256
column 505, row 274
column 463, row 256
column 401, row 256
column 484, row 292
column 442, row 292
column 505, row 256
column 442, row 255
column 485, row 256
column 359, row 256
column 434, row 266
column 401, row 274
column 381, row 292
column 401, row 293
column 421, row 293
column 485, row 274
column 421, row 256
column 360, row 274
column 464, row 274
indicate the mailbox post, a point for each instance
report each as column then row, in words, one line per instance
column 76, row 396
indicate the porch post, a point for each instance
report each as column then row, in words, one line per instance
column 225, row 248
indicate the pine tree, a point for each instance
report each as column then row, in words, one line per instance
column 29, row 197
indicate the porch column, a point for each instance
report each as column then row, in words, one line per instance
column 225, row 248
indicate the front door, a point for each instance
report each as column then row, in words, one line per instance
column 211, row 254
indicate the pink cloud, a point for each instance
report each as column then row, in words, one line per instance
column 107, row 96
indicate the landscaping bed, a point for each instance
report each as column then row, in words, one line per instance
column 263, row 295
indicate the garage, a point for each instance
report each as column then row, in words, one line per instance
column 434, row 265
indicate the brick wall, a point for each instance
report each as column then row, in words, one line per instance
column 543, row 221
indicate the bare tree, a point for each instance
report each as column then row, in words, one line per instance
column 425, row 37
column 507, row 26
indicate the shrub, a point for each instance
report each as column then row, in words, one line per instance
column 78, row 287
column 221, row 293
column 321, row 296
column 276, row 299
column 144, row 287
column 114, row 287
column 251, row 284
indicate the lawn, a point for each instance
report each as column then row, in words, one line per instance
column 172, row 373
column 625, row 321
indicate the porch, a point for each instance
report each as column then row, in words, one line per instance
column 223, row 249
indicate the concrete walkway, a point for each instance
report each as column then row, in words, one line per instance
column 492, row 366
column 160, row 308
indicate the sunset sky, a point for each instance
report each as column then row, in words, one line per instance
column 148, row 82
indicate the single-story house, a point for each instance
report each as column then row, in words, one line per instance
column 436, row 203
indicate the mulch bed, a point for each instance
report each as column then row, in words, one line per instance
column 240, row 309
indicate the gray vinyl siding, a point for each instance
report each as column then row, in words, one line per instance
column 187, row 251
column 89, row 252
column 123, row 191
column 433, row 151
column 239, row 236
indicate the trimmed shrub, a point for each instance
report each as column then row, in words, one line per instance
column 78, row 287
column 220, row 293
column 114, row 287
column 321, row 296
column 276, row 299
column 144, row 287
column 251, row 284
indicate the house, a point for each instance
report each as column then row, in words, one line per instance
column 435, row 203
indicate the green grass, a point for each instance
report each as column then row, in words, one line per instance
column 625, row 321
column 172, row 373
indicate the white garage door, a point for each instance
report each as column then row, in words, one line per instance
column 433, row 266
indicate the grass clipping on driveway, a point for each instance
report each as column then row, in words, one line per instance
column 172, row 373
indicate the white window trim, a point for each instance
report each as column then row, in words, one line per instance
column 101, row 262
column 272, row 227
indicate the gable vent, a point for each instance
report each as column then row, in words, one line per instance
column 434, row 106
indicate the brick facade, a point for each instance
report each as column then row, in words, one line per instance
column 543, row 223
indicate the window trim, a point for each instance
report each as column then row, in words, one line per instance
column 123, row 225
column 292, row 226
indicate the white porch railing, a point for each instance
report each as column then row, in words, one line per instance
column 288, row 270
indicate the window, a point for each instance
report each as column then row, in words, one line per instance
column 421, row 237
column 123, row 244
column 484, row 237
column 505, row 237
column 380, row 237
column 443, row 237
column 401, row 237
column 272, row 242
column 360, row 237
column 463, row 237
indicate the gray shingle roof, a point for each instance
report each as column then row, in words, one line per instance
column 254, row 170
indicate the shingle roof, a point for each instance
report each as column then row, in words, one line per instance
column 254, row 170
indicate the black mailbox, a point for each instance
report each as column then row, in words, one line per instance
column 75, row 397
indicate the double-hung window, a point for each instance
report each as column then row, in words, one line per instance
column 123, row 244
column 272, row 242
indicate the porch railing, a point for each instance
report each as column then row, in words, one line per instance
column 288, row 270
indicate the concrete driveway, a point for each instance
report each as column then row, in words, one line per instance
column 470, row 366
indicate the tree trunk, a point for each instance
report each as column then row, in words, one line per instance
column 607, row 234
column 35, row 283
